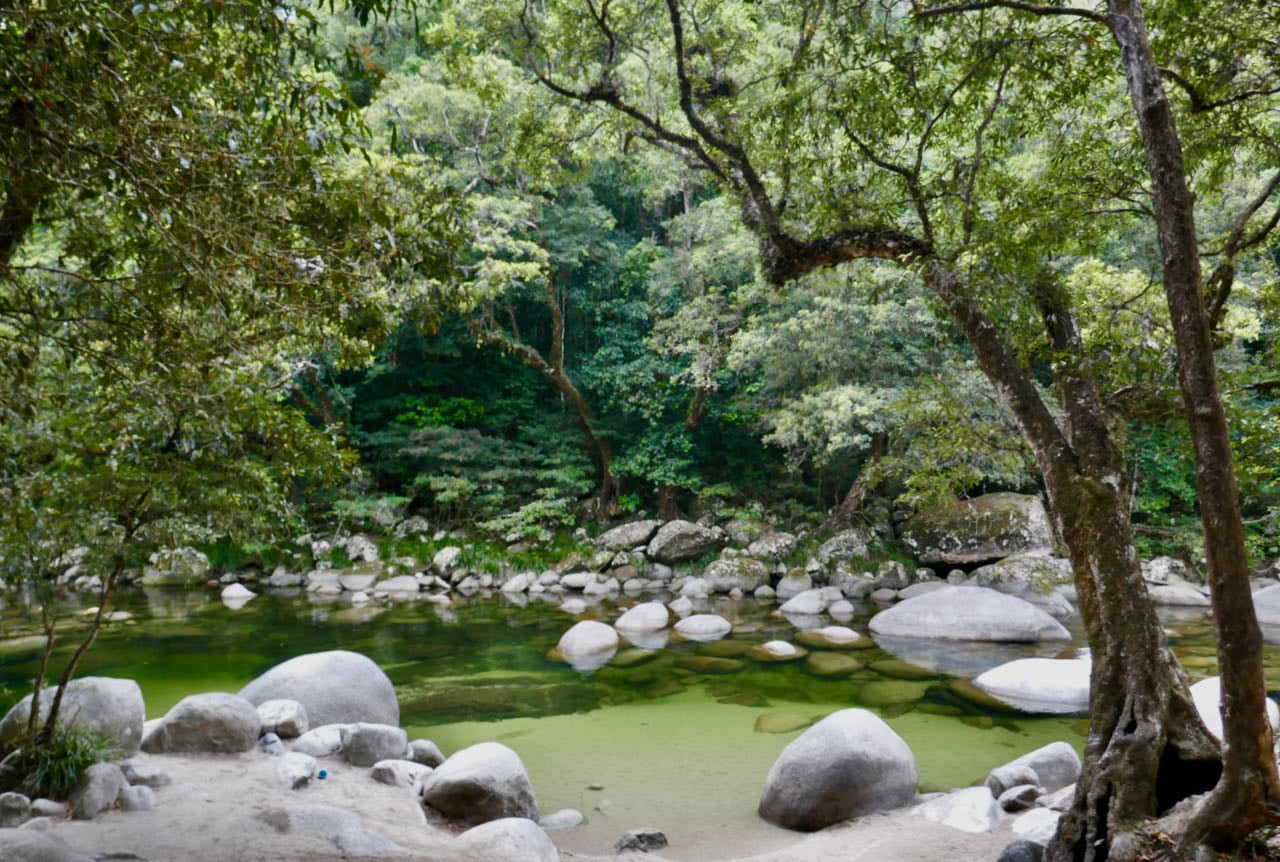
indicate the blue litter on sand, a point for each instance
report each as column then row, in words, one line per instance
column 322, row 774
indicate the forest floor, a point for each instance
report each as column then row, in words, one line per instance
column 214, row 810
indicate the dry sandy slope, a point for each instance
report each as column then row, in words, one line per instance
column 212, row 814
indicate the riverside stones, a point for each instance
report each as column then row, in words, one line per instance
column 588, row 644
column 627, row 536
column 849, row 764
column 365, row 744
column 399, row 773
column 968, row 613
column 989, row 527
column 284, row 717
column 508, row 839
column 111, row 707
column 484, row 782
column 645, row 617
column 972, row 809
column 1055, row 766
column 704, row 627
column 28, row 845
column 1207, row 693
column 736, row 573
column 335, row 687
column 97, row 791
column 212, row 722
column 678, row 541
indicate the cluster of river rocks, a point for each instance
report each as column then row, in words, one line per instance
column 339, row 704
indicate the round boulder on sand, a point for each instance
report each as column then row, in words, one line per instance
column 481, row 783
column 214, row 722
column 968, row 613
column 335, row 687
column 111, row 707
column 511, row 839
column 849, row 764
column 28, row 845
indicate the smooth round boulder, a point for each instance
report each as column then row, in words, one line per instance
column 1045, row 686
column 678, row 541
column 624, row 537
column 97, row 791
column 588, row 645
column 484, row 782
column 968, row 613
column 111, row 707
column 1266, row 604
column 365, row 744
column 645, row 617
column 1207, row 694
column 1054, row 766
column 704, row 627
column 849, row 764
column 214, row 722
column 334, row 687
column 972, row 809
column 509, row 839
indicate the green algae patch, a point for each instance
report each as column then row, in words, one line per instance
column 709, row 664
column 891, row 692
column 831, row 665
column 899, row 669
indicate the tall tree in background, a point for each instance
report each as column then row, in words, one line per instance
column 180, row 230
column 847, row 132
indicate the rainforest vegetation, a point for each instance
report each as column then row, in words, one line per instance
column 519, row 268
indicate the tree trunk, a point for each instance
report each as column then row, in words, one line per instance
column 857, row 495
column 1249, row 784
column 668, row 507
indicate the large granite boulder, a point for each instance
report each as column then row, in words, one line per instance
column 678, row 541
column 989, row 527
column 849, row 764
column 1207, row 694
column 335, row 687
column 736, row 573
column 624, row 537
column 773, row 546
column 968, row 613
column 481, row 783
column 111, row 707
column 214, row 722
column 1032, row 577
column 176, row 566
column 1040, row 685
column 845, row 546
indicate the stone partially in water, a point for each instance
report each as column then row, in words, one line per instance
column 899, row 669
column 891, row 692
column 776, row 651
column 1040, row 685
column 832, row 637
column 709, row 664
column 781, row 722
column 968, row 613
column 704, row 627
column 831, row 665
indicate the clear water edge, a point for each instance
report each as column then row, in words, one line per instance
column 668, row 747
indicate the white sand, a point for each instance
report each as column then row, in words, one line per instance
column 212, row 813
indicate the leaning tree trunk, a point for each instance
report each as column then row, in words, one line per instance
column 1147, row 747
column 1249, row 789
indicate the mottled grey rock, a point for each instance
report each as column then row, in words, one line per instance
column 1033, row 577
column 270, row 743
column 139, row 771
column 1004, row 778
column 849, row 764
column 323, row 741
column 508, row 839
column 137, row 797
column 1038, row 825
column 359, row 842
column 49, row 808
column 773, row 546
column 844, row 546
column 1019, row 798
column 972, row 809
column 677, row 541
column 481, row 783
column 736, row 573
column 365, row 744
column 627, row 536
column 97, row 791
column 27, row 845
column 111, row 707
column 399, row 773
column 335, row 687
column 968, row 613
column 646, row 839
column 295, row 769
column 176, row 566
column 213, row 722
column 15, row 809
column 990, row 527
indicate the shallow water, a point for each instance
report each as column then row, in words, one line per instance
column 670, row 741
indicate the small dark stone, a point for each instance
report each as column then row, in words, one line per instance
column 643, row 840
column 1022, row 850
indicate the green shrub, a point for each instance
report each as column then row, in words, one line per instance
column 54, row 766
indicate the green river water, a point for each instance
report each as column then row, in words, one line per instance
column 667, row 738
